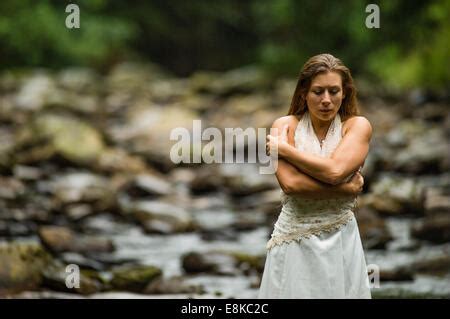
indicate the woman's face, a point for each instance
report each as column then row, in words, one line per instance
column 325, row 95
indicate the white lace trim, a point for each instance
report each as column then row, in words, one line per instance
column 300, row 234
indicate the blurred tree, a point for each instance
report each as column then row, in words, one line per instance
column 409, row 49
column 33, row 33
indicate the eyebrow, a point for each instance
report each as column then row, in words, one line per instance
column 321, row 87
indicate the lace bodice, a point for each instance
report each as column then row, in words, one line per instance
column 301, row 217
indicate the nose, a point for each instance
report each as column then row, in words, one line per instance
column 326, row 98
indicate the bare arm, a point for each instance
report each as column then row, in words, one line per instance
column 349, row 155
column 292, row 181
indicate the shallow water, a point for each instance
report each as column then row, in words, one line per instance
column 166, row 252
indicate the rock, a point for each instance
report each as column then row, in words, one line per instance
column 36, row 208
column 395, row 195
column 105, row 223
column 35, row 92
column 207, row 179
column 437, row 201
column 80, row 260
column 15, row 229
column 78, row 79
column 439, row 265
column 182, row 176
column 424, row 148
column 184, row 99
column 78, row 211
column 243, row 80
column 166, row 91
column 81, row 187
column 397, row 274
column 173, row 285
column 55, row 276
column 245, row 179
column 11, row 188
column 61, row 239
column 249, row 263
column 114, row 160
column 75, row 103
column 373, row 230
column 7, row 146
column 134, row 278
column 133, row 77
column 22, row 265
column 159, row 217
column 212, row 263
column 64, row 135
column 224, row 234
column 433, row 228
column 147, row 132
column 145, row 185
column 249, row 220
column 268, row 202
column 405, row 132
column 27, row 173
column 431, row 112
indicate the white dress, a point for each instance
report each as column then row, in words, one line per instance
column 315, row 249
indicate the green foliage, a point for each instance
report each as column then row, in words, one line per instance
column 410, row 49
column 33, row 33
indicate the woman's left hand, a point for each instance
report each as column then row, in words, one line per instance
column 279, row 143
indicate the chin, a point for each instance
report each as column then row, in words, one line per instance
column 325, row 116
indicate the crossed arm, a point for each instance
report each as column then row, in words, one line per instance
column 348, row 156
column 294, row 181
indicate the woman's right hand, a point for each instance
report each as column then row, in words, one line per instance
column 356, row 183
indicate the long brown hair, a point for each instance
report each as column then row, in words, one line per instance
column 323, row 63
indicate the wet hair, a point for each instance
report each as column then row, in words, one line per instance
column 320, row 64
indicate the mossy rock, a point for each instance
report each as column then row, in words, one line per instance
column 22, row 265
column 134, row 278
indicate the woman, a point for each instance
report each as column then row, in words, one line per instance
column 315, row 249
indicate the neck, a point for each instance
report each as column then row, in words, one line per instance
column 320, row 127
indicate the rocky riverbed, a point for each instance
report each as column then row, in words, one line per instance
column 86, row 179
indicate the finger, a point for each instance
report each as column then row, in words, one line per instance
column 285, row 130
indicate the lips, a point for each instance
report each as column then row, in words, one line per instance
column 325, row 111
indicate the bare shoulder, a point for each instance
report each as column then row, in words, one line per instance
column 358, row 124
column 291, row 120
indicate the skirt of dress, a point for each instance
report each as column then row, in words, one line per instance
column 328, row 266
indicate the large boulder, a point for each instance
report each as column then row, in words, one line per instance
column 60, row 239
column 147, row 129
column 54, row 134
column 147, row 185
column 435, row 229
column 243, row 80
column 394, row 195
column 134, row 278
column 55, row 277
column 437, row 201
column 158, row 216
column 419, row 148
column 35, row 92
column 22, row 264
